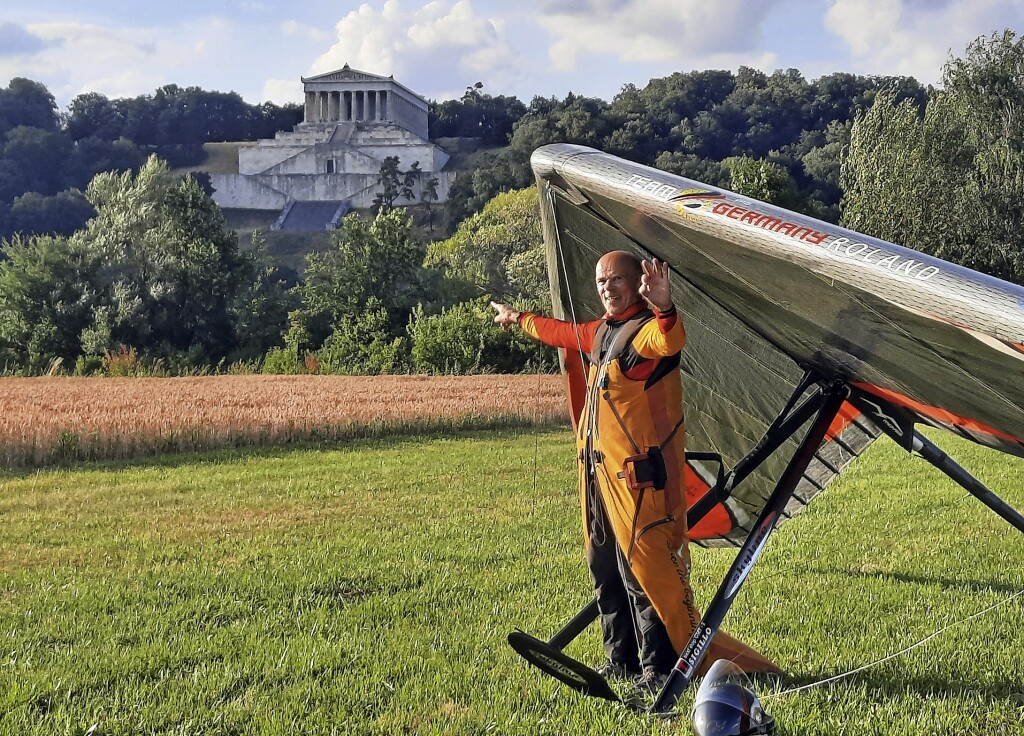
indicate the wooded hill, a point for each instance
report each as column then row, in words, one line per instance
column 156, row 281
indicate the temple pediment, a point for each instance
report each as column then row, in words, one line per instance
column 347, row 74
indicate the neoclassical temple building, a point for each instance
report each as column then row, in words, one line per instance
column 347, row 96
column 353, row 121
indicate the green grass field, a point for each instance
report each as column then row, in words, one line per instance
column 368, row 588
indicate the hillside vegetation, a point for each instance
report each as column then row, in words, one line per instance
column 143, row 261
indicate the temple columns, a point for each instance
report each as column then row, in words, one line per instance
column 310, row 106
column 359, row 105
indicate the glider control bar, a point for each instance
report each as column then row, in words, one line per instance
column 930, row 452
column 682, row 674
column 587, row 615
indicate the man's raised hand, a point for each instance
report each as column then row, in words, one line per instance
column 654, row 285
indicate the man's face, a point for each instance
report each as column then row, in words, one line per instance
column 618, row 283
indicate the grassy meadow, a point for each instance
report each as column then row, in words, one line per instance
column 367, row 588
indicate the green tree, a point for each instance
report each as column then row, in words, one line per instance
column 389, row 179
column 33, row 160
column 430, row 197
column 61, row 214
column 476, row 115
column 488, row 252
column 364, row 344
column 761, row 179
column 49, row 289
column 263, row 304
column 27, row 103
column 172, row 267
column 365, row 259
column 464, row 339
column 948, row 182
column 92, row 115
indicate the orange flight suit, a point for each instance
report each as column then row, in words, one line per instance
column 633, row 405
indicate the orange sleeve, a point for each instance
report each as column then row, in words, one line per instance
column 660, row 337
column 558, row 333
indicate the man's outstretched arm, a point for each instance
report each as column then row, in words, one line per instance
column 554, row 332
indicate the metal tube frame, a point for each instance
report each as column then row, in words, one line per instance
column 830, row 401
column 824, row 403
column 931, row 452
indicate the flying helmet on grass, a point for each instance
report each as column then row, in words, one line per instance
column 727, row 706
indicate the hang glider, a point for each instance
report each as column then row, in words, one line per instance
column 806, row 342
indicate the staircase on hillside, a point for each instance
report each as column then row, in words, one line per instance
column 311, row 216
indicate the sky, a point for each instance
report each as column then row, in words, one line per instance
column 261, row 48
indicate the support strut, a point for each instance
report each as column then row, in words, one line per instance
column 548, row 655
column 785, row 426
column 931, row 452
column 686, row 668
column 787, row 423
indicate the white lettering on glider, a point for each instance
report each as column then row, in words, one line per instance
column 695, row 649
column 748, row 561
column 895, row 263
column 556, row 666
column 654, row 188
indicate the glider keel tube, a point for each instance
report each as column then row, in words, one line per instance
column 682, row 674
column 931, row 452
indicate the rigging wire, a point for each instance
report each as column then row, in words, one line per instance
column 893, row 655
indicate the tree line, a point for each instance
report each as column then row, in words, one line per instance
column 47, row 157
column 701, row 124
column 155, row 282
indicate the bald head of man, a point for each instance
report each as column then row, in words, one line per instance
column 618, row 276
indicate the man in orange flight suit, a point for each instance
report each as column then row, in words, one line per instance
column 631, row 448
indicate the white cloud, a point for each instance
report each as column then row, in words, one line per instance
column 281, row 91
column 914, row 37
column 16, row 40
column 78, row 57
column 87, row 58
column 425, row 48
column 664, row 32
column 311, row 33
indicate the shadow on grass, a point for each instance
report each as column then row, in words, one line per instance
column 946, row 583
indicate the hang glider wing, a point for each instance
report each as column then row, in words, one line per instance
column 767, row 294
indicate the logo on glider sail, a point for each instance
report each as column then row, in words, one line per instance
column 769, row 222
column 690, row 202
column 885, row 418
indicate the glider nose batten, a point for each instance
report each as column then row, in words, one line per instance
column 904, row 277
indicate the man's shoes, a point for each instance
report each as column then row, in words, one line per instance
column 617, row 671
column 651, row 682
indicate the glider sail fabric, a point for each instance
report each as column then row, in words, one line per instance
column 767, row 294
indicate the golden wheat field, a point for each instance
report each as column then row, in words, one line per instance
column 46, row 420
